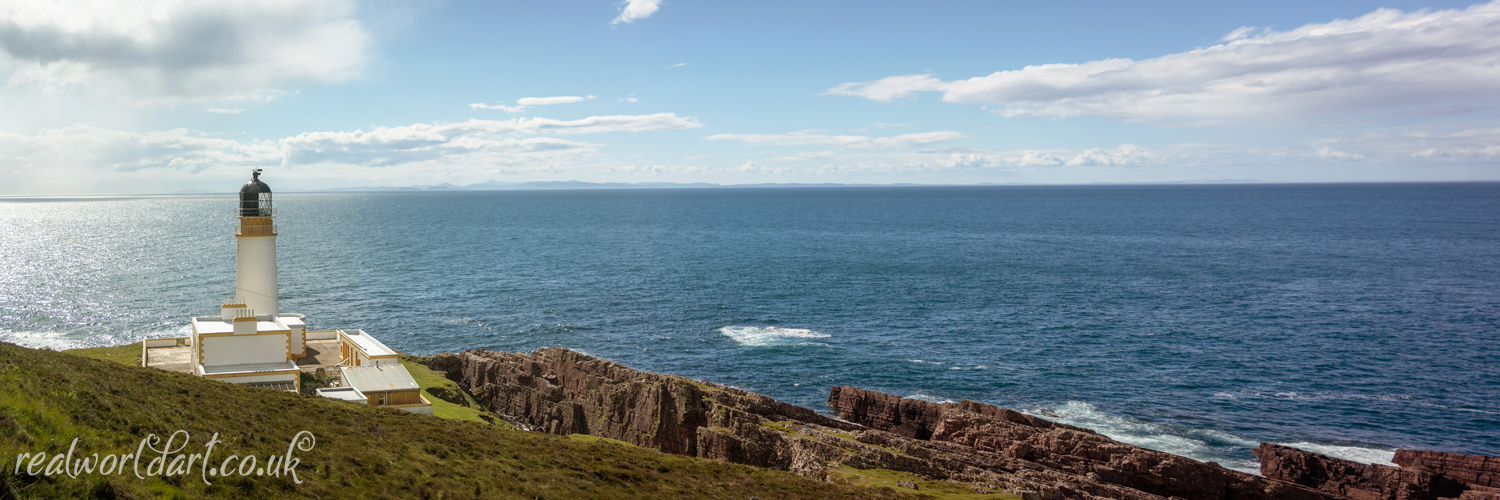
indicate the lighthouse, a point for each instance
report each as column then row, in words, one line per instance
column 255, row 248
column 251, row 342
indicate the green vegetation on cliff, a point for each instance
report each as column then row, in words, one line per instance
column 48, row 399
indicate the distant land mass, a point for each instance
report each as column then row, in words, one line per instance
column 493, row 185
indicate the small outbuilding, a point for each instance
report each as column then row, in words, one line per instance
column 388, row 386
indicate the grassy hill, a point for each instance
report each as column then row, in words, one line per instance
column 47, row 399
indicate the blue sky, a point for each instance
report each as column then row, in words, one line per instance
column 161, row 96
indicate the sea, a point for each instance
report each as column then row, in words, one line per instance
column 1201, row 320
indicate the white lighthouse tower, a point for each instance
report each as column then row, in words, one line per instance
column 255, row 248
column 252, row 342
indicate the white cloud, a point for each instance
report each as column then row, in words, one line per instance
column 1475, row 146
column 546, row 101
column 810, row 155
column 890, row 88
column 1387, row 59
column 501, row 107
column 525, row 102
column 170, row 50
column 597, row 124
column 1177, row 156
column 678, row 65
column 381, row 150
column 850, row 141
column 466, row 144
column 1330, row 154
column 225, row 111
column 388, row 145
column 654, row 170
column 85, row 147
column 635, row 10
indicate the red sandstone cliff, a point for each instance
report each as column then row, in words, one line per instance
column 1353, row 480
column 1473, row 470
column 985, row 447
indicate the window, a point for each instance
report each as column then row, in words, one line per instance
column 382, row 399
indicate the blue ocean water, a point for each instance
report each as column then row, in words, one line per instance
column 1200, row 320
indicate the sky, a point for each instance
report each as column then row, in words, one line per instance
column 161, row 96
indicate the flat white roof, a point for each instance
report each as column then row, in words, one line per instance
column 383, row 378
column 368, row 344
column 247, row 368
column 342, row 393
column 292, row 321
column 216, row 324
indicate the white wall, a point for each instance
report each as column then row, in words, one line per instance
column 420, row 410
column 255, row 273
column 329, row 335
column 244, row 349
column 259, row 378
column 168, row 342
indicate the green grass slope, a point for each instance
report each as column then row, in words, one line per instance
column 47, row 399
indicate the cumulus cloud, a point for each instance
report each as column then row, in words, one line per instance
column 849, row 141
column 156, row 50
column 1387, row 59
column 226, row 111
column 635, row 10
column 525, row 102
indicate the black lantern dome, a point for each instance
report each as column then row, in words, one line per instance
column 255, row 197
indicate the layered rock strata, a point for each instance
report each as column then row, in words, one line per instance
column 985, row 447
column 1473, row 470
column 1074, row 450
column 1354, row 480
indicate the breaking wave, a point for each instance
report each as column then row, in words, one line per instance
column 758, row 336
column 1206, row 445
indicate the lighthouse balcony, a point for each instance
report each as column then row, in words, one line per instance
column 254, row 229
column 264, row 210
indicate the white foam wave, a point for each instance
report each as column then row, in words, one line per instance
column 61, row 341
column 1298, row 396
column 55, row 341
column 1198, row 444
column 1353, row 453
column 930, row 398
column 759, row 336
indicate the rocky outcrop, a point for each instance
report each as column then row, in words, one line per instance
column 986, row 447
column 1473, row 470
column 1354, row 480
column 1055, row 446
column 565, row 392
column 914, row 418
